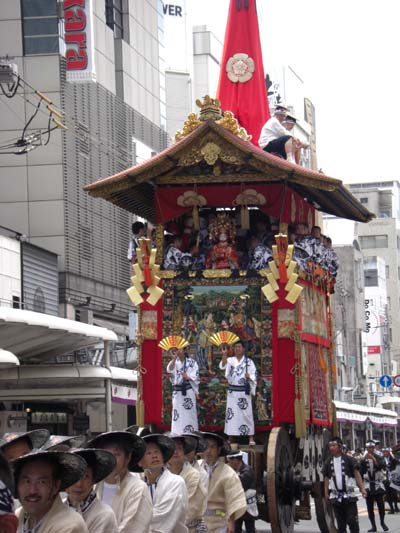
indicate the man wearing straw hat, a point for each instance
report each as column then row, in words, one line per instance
column 98, row 516
column 14, row 445
column 167, row 490
column 196, row 489
column 123, row 491
column 8, row 520
column 63, row 443
column 39, row 478
column 191, row 456
column 248, row 480
column 226, row 500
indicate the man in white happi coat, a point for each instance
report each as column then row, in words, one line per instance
column 226, row 500
column 196, row 489
column 167, row 491
column 124, row 491
column 192, row 456
column 39, row 478
column 14, row 445
column 98, row 516
column 185, row 388
column 240, row 371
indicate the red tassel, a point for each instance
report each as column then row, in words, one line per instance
column 148, row 278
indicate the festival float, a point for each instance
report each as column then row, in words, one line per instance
column 213, row 187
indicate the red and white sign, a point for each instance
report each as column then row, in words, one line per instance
column 79, row 52
column 396, row 380
column 374, row 349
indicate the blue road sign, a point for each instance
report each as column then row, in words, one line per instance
column 385, row 381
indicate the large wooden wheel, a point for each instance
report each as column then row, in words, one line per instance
column 323, row 511
column 280, row 482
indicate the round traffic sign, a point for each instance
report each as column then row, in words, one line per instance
column 396, row 380
column 385, row 381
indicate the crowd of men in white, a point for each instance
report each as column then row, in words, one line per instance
column 121, row 482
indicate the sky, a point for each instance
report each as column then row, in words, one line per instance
column 347, row 53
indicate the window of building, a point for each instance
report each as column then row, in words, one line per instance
column 387, row 271
column 141, row 152
column 371, row 277
column 373, row 241
column 364, row 200
column 40, row 27
column 388, row 302
column 114, row 18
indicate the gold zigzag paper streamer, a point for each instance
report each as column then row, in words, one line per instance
column 145, row 274
column 223, row 337
column 283, row 268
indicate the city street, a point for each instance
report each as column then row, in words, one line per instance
column 392, row 521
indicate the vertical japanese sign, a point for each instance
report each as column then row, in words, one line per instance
column 79, row 54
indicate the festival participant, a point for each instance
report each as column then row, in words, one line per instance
column 248, row 480
column 167, row 490
column 289, row 122
column 138, row 230
column 14, row 445
column 391, row 494
column 192, row 455
column 39, row 478
column 226, row 500
column 259, row 254
column 276, row 139
column 174, row 256
column 63, row 443
column 196, row 490
column 372, row 467
column 185, row 385
column 123, row 491
column 8, row 520
column 341, row 475
column 98, row 516
column 241, row 374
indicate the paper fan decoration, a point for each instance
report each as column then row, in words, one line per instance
column 223, row 337
column 173, row 341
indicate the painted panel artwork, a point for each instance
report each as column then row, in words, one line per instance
column 317, row 379
column 313, row 315
column 196, row 309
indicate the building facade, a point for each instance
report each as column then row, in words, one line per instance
column 349, row 324
column 105, row 71
column 381, row 238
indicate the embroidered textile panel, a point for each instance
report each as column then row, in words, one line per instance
column 215, row 306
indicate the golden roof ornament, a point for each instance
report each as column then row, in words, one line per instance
column 210, row 109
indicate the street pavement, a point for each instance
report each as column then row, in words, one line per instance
column 311, row 526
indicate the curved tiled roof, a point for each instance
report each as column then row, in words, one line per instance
column 133, row 188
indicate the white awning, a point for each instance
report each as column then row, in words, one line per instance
column 28, row 334
column 62, row 382
column 352, row 412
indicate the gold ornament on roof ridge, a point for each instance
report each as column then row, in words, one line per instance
column 210, row 109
